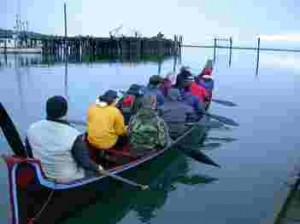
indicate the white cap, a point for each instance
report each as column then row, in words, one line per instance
column 207, row 77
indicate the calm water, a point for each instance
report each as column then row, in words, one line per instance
column 250, row 186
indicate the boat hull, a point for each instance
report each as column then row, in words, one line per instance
column 30, row 191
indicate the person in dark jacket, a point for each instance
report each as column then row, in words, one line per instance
column 181, row 77
column 63, row 154
column 152, row 89
column 177, row 113
column 131, row 101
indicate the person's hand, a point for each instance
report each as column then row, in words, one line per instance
column 100, row 169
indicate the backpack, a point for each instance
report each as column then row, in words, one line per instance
column 147, row 131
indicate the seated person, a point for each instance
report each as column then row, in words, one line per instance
column 146, row 130
column 105, row 123
column 63, row 154
column 207, row 82
column 152, row 89
column 165, row 86
column 131, row 101
column 183, row 74
column 177, row 113
column 190, row 99
column 198, row 91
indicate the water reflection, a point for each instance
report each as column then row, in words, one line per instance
column 27, row 60
column 164, row 176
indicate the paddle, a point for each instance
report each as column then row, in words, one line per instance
column 11, row 134
column 225, row 139
column 198, row 156
column 224, row 102
column 195, row 179
column 124, row 180
column 222, row 119
column 210, row 146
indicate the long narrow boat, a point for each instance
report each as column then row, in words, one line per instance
column 36, row 199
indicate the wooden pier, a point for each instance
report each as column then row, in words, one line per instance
column 113, row 46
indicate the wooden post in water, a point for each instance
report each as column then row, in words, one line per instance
column 66, row 52
column 66, row 31
column 257, row 56
column 215, row 48
column 230, row 50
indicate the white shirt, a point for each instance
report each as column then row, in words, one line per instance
column 51, row 142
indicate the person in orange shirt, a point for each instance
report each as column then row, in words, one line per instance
column 105, row 122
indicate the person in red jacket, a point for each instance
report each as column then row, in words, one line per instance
column 196, row 90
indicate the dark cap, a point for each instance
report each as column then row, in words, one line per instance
column 184, row 68
column 136, row 90
column 155, row 80
column 56, row 107
column 109, row 95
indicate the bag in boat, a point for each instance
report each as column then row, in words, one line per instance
column 147, row 131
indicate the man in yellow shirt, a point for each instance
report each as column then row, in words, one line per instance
column 105, row 123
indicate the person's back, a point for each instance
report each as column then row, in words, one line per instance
column 105, row 123
column 51, row 143
column 131, row 101
column 152, row 90
column 199, row 92
column 207, row 82
column 192, row 101
column 175, row 110
column 177, row 113
column 181, row 77
column 64, row 156
column 147, row 131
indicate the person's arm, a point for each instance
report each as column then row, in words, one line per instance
column 120, row 128
column 199, row 108
column 81, row 155
column 160, row 99
column 163, row 133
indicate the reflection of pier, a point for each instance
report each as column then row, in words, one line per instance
column 27, row 60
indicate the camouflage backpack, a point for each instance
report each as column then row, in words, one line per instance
column 147, row 131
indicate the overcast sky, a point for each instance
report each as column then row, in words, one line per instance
column 196, row 20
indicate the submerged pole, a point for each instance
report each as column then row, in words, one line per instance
column 174, row 63
column 215, row 48
column 257, row 55
column 230, row 50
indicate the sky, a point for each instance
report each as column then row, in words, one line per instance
column 197, row 20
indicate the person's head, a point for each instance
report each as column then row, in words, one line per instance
column 207, row 71
column 109, row 97
column 155, row 80
column 135, row 90
column 184, row 68
column 56, row 107
column 188, row 81
column 207, row 78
